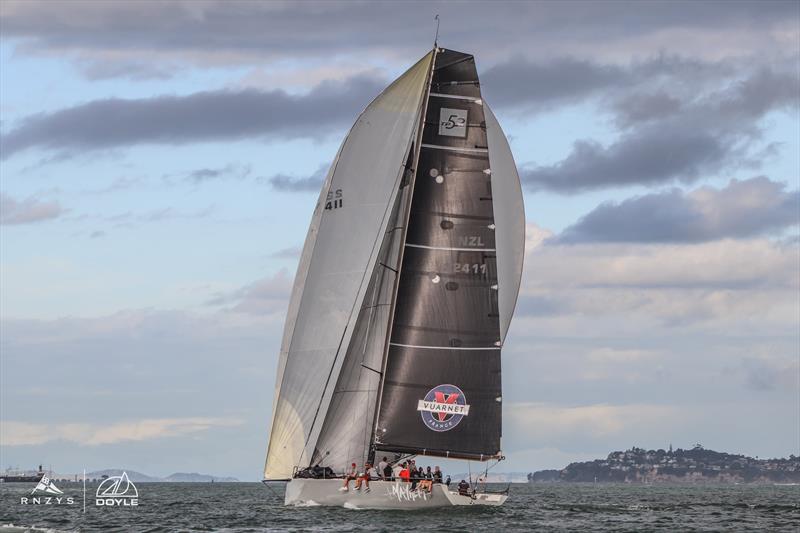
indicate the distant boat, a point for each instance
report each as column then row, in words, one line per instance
column 403, row 295
column 17, row 476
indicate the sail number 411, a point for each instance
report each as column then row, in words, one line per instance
column 334, row 199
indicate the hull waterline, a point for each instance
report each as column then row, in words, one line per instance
column 382, row 495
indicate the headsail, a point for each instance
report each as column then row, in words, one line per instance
column 442, row 390
column 336, row 265
column 509, row 217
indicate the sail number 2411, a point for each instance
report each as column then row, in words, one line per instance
column 470, row 268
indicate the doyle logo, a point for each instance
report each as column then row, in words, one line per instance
column 453, row 122
column 117, row 491
column 443, row 407
column 39, row 494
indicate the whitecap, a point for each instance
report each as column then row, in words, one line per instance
column 348, row 505
column 306, row 503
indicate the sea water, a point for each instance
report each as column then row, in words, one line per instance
column 240, row 507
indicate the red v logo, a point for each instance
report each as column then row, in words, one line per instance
column 440, row 398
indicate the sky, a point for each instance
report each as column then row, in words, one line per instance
column 160, row 161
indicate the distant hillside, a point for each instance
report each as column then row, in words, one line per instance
column 494, row 477
column 182, row 477
column 177, row 477
column 136, row 477
column 697, row 465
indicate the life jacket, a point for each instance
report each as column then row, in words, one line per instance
column 405, row 474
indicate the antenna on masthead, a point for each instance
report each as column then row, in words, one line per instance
column 436, row 38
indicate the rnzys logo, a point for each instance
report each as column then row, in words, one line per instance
column 443, row 408
column 453, row 122
column 46, row 486
column 117, row 491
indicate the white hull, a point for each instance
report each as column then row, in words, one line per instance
column 382, row 495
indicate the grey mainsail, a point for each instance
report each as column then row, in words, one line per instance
column 441, row 392
column 407, row 283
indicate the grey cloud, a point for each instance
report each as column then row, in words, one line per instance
column 228, row 32
column 522, row 83
column 665, row 139
column 287, row 253
column 261, row 297
column 130, row 219
column 312, row 183
column 742, row 209
column 538, row 305
column 646, row 157
column 204, row 116
column 759, row 375
column 133, row 70
column 638, row 88
column 27, row 211
column 138, row 364
column 208, row 174
column 644, row 107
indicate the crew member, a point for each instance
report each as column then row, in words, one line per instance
column 405, row 474
column 382, row 465
column 364, row 477
column 351, row 474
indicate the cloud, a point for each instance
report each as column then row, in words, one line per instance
column 313, row 183
column 666, row 137
column 205, row 116
column 729, row 264
column 27, row 211
column 569, row 425
column 521, row 82
column 647, row 157
column 742, row 209
column 130, row 219
column 287, row 253
column 625, row 289
column 265, row 296
column 209, row 174
column 151, row 40
column 92, row 434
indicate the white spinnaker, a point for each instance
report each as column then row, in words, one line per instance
column 509, row 219
column 337, row 259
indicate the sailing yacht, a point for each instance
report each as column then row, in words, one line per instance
column 403, row 296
